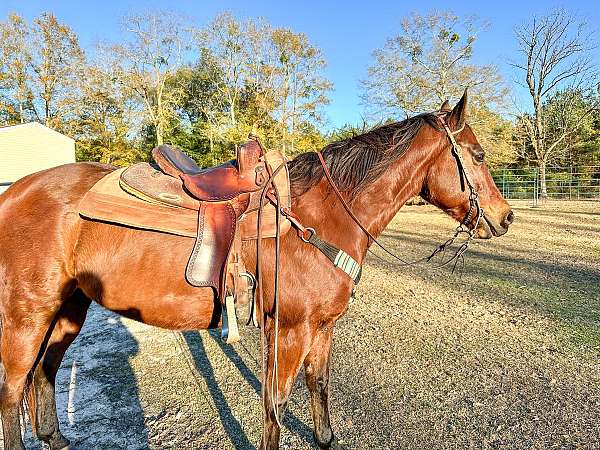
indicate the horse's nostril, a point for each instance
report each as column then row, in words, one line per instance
column 509, row 218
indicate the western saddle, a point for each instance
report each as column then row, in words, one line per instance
column 229, row 199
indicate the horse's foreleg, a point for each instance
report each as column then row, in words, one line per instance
column 292, row 349
column 316, row 367
column 42, row 401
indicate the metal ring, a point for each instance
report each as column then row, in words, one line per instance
column 312, row 232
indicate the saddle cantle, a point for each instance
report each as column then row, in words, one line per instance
column 226, row 200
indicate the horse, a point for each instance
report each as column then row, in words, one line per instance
column 53, row 263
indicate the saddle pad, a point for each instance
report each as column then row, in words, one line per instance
column 107, row 202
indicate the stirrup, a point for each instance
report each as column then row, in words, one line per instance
column 229, row 328
column 251, row 297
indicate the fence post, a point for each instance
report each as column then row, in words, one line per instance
column 571, row 183
column 535, row 187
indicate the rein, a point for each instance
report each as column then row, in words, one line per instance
column 462, row 228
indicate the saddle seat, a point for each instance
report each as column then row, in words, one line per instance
column 243, row 175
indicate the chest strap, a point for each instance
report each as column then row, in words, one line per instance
column 339, row 258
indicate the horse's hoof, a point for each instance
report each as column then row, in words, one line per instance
column 334, row 444
column 60, row 443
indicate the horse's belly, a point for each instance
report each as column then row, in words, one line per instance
column 141, row 275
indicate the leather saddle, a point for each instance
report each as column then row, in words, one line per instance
column 228, row 200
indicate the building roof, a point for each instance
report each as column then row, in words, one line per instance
column 33, row 126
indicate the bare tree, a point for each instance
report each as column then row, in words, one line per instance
column 555, row 54
column 149, row 61
column 428, row 62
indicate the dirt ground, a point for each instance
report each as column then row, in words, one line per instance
column 504, row 354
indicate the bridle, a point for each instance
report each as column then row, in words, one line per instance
column 465, row 177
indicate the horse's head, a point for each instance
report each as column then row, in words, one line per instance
column 458, row 180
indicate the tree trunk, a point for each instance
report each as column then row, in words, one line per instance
column 211, row 146
column 47, row 113
column 159, row 120
column 159, row 133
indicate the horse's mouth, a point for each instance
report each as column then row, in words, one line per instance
column 488, row 228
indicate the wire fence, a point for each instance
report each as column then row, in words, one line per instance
column 562, row 183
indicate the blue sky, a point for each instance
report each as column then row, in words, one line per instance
column 347, row 31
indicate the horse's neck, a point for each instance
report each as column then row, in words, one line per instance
column 374, row 207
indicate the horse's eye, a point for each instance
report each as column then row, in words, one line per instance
column 479, row 157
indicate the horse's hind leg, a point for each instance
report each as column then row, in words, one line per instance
column 20, row 344
column 42, row 401
column 316, row 367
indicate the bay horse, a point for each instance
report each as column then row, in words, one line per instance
column 53, row 263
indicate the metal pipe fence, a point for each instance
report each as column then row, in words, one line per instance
column 562, row 183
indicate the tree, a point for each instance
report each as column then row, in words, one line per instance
column 56, row 63
column 555, row 55
column 42, row 64
column 429, row 62
column 15, row 60
column 269, row 81
column 302, row 90
column 224, row 45
column 202, row 110
column 105, row 120
column 148, row 62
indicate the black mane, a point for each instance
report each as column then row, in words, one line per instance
column 356, row 162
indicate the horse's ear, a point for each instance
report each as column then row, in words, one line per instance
column 458, row 116
column 445, row 106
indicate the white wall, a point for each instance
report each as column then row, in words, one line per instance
column 31, row 147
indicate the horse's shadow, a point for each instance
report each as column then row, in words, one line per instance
column 97, row 393
column 232, row 426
